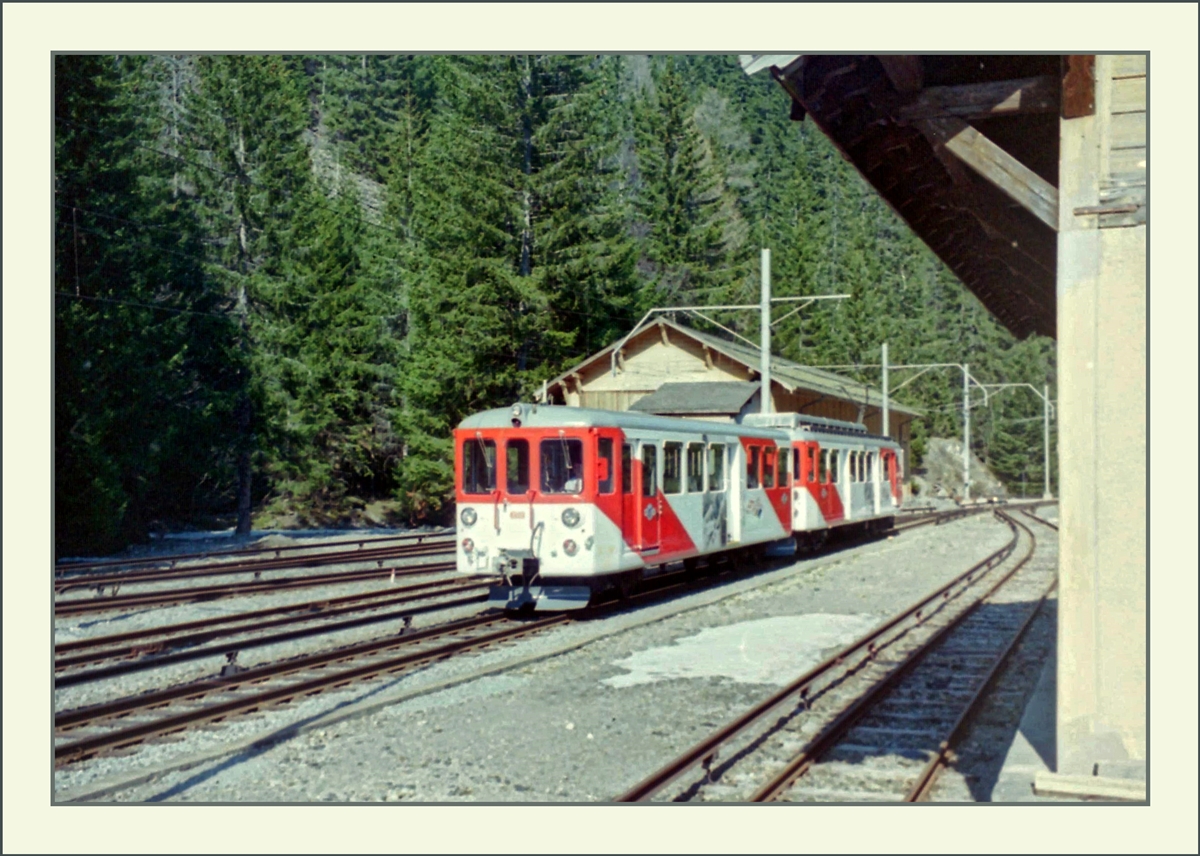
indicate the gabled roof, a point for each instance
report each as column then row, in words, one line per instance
column 717, row 397
column 789, row 375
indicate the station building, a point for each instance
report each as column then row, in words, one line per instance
column 669, row 369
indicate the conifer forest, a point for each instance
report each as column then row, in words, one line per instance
column 280, row 281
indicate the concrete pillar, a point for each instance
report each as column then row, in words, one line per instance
column 1102, row 454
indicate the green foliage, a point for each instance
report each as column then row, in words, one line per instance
column 284, row 280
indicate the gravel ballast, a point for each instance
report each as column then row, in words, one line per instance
column 612, row 699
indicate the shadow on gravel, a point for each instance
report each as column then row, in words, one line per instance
column 1040, row 729
column 267, row 742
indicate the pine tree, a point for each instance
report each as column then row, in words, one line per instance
column 139, row 361
column 247, row 121
column 686, row 253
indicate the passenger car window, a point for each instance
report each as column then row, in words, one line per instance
column 626, row 468
column 672, row 467
column 562, row 466
column 516, row 465
column 607, row 474
column 649, row 469
column 783, row 467
column 769, row 466
column 479, row 466
column 716, row 468
column 752, row 456
column 695, row 467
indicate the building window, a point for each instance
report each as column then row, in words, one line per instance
column 695, row 468
column 716, row 468
column 516, row 465
column 604, row 458
column 479, row 466
column 672, row 468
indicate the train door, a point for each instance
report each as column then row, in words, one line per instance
column 775, row 483
column 737, row 491
column 874, row 471
column 646, row 497
column 629, row 496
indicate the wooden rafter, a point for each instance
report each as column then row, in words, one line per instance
column 982, row 100
column 1022, row 184
column 904, row 71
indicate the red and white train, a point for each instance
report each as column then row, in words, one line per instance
column 565, row 502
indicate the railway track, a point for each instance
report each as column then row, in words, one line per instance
column 168, row 597
column 435, row 547
column 103, row 728
column 123, row 723
column 878, row 720
column 171, row 560
column 164, row 646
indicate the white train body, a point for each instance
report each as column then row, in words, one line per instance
column 566, row 501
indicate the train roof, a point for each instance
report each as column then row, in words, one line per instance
column 564, row 416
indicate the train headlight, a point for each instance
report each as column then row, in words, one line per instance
column 570, row 547
column 571, row 518
column 468, row 517
column 468, row 545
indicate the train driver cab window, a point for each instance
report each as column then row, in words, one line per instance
column 783, row 467
column 605, row 472
column 852, row 475
column 769, row 466
column 823, row 468
column 695, row 468
column 479, row 466
column 833, row 466
column 649, row 469
column 796, row 464
column 626, row 468
column 516, row 465
column 562, row 465
column 716, row 468
column 672, row 467
column 752, row 456
column 812, row 463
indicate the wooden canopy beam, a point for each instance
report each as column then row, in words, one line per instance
column 983, row 100
column 904, row 71
column 1022, row 184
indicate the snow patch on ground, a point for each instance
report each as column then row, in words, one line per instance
column 765, row 651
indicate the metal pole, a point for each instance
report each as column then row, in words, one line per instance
column 1046, row 437
column 885, row 391
column 765, row 392
column 966, row 433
